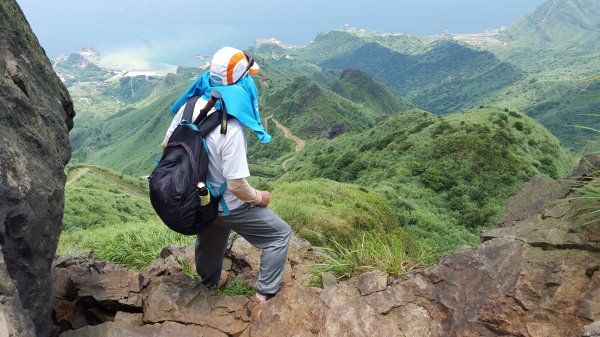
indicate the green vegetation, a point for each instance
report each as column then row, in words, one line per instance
column 395, row 253
column 76, row 68
column 358, row 87
column 110, row 214
column 131, row 89
column 129, row 139
column 310, row 110
column 129, row 244
column 447, row 77
column 234, row 288
column 445, row 177
column 265, row 159
column 98, row 198
column 322, row 210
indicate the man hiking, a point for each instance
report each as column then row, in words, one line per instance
column 243, row 209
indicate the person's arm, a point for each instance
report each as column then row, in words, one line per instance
column 235, row 170
column 172, row 127
column 242, row 189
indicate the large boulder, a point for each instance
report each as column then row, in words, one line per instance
column 36, row 114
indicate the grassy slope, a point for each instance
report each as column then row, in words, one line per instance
column 129, row 141
column 100, row 212
column 101, row 197
column 310, row 110
column 445, row 177
column 360, row 88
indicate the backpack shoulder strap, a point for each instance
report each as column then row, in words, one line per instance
column 188, row 112
column 210, row 123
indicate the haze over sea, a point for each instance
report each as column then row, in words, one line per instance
column 153, row 34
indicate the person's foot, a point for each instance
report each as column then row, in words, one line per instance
column 255, row 301
column 262, row 298
column 220, row 284
column 222, row 280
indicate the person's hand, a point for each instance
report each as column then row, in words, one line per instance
column 266, row 199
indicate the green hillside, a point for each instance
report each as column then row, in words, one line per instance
column 131, row 89
column 339, row 42
column 565, row 23
column 360, row 88
column 448, row 77
column 557, row 40
column 351, row 103
column 97, row 197
column 103, row 207
column 556, row 45
column 130, row 139
column 446, row 177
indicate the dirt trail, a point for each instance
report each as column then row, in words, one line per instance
column 300, row 143
column 109, row 178
column 80, row 171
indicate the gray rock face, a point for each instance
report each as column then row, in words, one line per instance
column 36, row 114
column 13, row 319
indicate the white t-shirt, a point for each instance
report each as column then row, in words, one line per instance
column 226, row 153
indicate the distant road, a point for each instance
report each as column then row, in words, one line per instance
column 300, row 143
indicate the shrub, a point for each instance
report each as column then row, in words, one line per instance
column 519, row 125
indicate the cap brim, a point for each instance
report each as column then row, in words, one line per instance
column 254, row 69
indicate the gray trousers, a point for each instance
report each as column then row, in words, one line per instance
column 262, row 228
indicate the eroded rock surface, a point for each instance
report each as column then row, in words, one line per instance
column 36, row 114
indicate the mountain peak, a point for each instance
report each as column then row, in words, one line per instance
column 565, row 22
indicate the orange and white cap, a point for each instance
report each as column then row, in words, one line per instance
column 229, row 65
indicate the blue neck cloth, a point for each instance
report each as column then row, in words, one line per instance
column 241, row 99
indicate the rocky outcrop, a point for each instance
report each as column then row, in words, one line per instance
column 95, row 298
column 536, row 275
column 36, row 114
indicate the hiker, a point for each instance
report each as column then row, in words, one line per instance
column 243, row 209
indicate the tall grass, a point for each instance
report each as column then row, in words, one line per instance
column 321, row 209
column 131, row 245
column 395, row 253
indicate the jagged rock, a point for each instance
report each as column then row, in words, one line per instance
column 111, row 283
column 166, row 329
column 592, row 330
column 36, row 113
column 87, row 291
column 538, row 275
column 372, row 281
column 179, row 298
column 587, row 165
column 295, row 311
column 242, row 250
column 329, row 280
column 14, row 321
column 102, row 281
column 392, row 297
column 531, row 199
column 135, row 319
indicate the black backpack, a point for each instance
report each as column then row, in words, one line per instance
column 184, row 163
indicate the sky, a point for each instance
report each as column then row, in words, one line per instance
column 157, row 33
